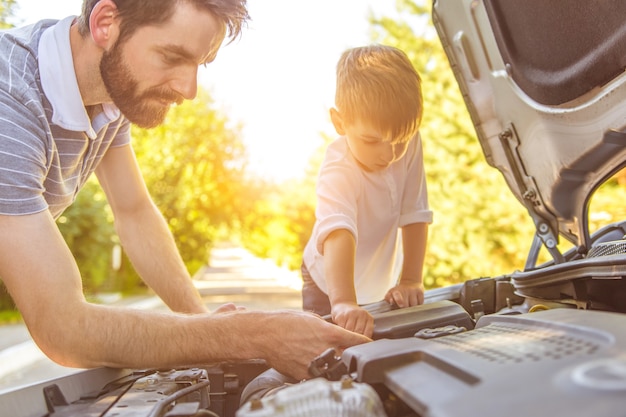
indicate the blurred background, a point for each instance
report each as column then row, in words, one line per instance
column 238, row 165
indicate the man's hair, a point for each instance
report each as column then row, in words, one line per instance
column 135, row 14
column 377, row 85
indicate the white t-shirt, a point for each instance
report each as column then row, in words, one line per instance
column 372, row 206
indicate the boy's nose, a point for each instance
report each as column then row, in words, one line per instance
column 389, row 153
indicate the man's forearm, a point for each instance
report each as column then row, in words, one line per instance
column 153, row 252
column 125, row 337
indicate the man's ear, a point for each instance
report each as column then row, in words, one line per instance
column 104, row 24
column 335, row 117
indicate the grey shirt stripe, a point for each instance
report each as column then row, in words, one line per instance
column 44, row 165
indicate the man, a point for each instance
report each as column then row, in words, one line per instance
column 68, row 93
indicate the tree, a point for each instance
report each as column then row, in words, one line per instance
column 87, row 227
column 194, row 166
column 7, row 10
column 280, row 218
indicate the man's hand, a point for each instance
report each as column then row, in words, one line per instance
column 352, row 317
column 295, row 338
column 406, row 294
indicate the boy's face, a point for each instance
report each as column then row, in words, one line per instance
column 373, row 150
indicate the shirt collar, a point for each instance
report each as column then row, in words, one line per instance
column 58, row 80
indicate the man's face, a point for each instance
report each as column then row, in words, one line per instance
column 157, row 66
column 146, row 108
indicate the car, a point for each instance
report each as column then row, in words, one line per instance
column 545, row 86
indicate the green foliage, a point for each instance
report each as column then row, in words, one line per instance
column 279, row 222
column 7, row 9
column 6, row 302
column 87, row 226
column 194, row 168
column 607, row 204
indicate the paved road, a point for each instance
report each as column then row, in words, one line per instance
column 233, row 275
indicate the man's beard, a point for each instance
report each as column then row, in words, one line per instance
column 145, row 109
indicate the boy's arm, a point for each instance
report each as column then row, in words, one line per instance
column 339, row 256
column 410, row 289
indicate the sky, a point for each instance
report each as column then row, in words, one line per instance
column 277, row 80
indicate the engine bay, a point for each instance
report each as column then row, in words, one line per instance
column 544, row 357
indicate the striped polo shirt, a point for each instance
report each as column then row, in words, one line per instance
column 49, row 146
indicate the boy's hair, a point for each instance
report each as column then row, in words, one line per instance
column 378, row 85
column 135, row 14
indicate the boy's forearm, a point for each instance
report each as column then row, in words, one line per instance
column 339, row 257
column 414, row 240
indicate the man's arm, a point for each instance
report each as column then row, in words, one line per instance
column 339, row 258
column 43, row 279
column 410, row 288
column 144, row 233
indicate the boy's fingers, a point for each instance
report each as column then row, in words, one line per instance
column 399, row 299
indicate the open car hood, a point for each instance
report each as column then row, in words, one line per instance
column 546, row 90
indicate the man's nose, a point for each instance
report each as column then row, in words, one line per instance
column 186, row 83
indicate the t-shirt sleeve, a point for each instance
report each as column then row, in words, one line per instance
column 23, row 159
column 123, row 135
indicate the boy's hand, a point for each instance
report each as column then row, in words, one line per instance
column 406, row 294
column 354, row 318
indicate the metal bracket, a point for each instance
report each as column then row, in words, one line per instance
column 526, row 184
column 328, row 365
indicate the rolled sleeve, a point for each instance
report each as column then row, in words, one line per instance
column 331, row 223
column 422, row 216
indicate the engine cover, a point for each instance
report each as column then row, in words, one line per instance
column 554, row 362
